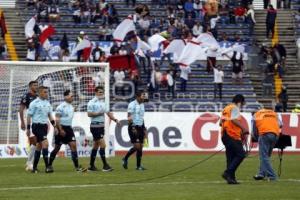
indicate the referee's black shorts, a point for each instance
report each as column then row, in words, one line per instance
column 97, row 130
column 138, row 136
column 69, row 137
column 40, row 131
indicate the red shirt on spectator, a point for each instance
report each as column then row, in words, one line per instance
column 239, row 11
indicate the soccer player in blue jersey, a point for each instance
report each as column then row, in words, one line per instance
column 64, row 133
column 136, row 129
column 25, row 102
column 39, row 112
column 96, row 109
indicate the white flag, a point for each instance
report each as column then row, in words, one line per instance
column 29, row 32
column 207, row 40
column 191, row 52
column 176, row 47
column 123, row 28
column 154, row 41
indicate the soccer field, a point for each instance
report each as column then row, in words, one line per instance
column 200, row 182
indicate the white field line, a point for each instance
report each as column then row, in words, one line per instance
column 129, row 184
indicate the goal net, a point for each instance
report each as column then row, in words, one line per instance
column 80, row 78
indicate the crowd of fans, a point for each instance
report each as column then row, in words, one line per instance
column 185, row 19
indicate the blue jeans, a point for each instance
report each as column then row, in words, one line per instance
column 266, row 144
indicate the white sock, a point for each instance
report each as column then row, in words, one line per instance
column 31, row 154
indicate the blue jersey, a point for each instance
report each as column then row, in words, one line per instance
column 137, row 112
column 39, row 110
column 66, row 112
column 95, row 105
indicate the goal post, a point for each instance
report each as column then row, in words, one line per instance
column 80, row 78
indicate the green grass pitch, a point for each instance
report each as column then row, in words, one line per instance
column 200, row 182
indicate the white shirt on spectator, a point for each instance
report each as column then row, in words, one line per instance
column 197, row 30
column 184, row 72
column 66, row 58
column 31, row 54
column 212, row 53
column 100, row 78
column 213, row 22
column 170, row 80
column 218, row 76
column 119, row 77
column 197, row 6
column 251, row 12
column 144, row 23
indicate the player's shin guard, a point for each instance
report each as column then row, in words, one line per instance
column 93, row 157
column 52, row 156
column 37, row 155
column 102, row 155
column 129, row 153
column 45, row 157
column 31, row 155
column 75, row 158
column 139, row 154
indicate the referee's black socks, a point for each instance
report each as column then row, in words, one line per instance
column 75, row 158
column 139, row 154
column 37, row 155
column 93, row 157
column 52, row 156
column 129, row 153
column 45, row 156
column 102, row 155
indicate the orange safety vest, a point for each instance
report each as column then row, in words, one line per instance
column 266, row 121
column 230, row 128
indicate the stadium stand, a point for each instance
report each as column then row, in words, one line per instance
column 199, row 93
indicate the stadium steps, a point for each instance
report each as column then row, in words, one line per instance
column 285, row 21
column 16, row 27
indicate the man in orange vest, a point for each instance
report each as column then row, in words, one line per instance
column 232, row 133
column 266, row 124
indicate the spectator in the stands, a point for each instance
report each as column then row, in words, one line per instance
column 190, row 22
column 189, row 8
column 3, row 51
column 198, row 7
column 197, row 29
column 213, row 26
column 211, row 55
column 97, row 53
column 95, row 14
column 53, row 11
column 281, row 56
column 218, row 81
column 78, row 40
column 171, row 83
column 77, row 16
column 31, row 3
column 266, row 3
column 42, row 11
column 114, row 50
column 157, row 77
column 184, row 76
column 144, row 23
column 283, row 98
column 119, row 77
column 250, row 16
column 133, row 3
column 113, row 17
column 239, row 13
column 66, row 56
column 31, row 51
column 237, row 66
column 270, row 21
